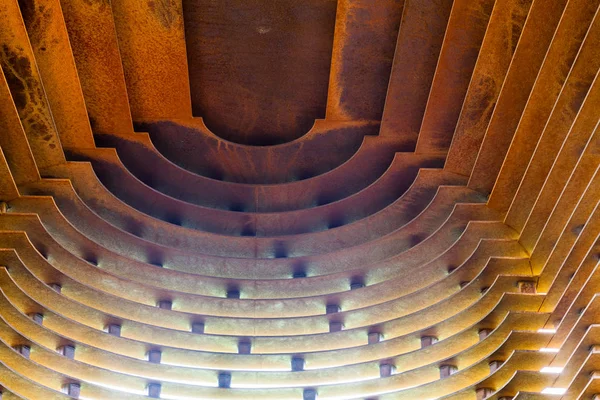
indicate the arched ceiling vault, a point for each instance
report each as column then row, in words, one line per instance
column 299, row 200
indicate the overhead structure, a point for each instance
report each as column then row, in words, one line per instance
column 300, row 200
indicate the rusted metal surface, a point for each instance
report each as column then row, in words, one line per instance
column 20, row 70
column 366, row 165
column 466, row 27
column 197, row 247
column 525, row 67
column 263, row 79
column 438, row 225
column 8, row 187
column 117, row 275
column 574, row 92
column 50, row 43
column 497, row 50
column 157, row 78
column 559, row 58
column 13, row 141
column 583, row 135
column 91, row 30
column 364, row 44
column 335, row 224
column 577, row 262
column 581, row 193
column 417, row 49
column 326, row 146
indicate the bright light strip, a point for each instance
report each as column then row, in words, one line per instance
column 236, row 369
column 549, row 350
column 554, row 391
column 362, row 396
column 551, row 370
column 173, row 397
column 547, row 330
column 119, row 389
column 277, row 385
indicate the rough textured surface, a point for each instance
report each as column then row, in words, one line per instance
column 157, row 78
column 499, row 44
column 365, row 37
column 466, row 28
column 417, row 50
column 259, row 69
column 391, row 200
column 50, row 43
column 13, row 140
column 517, row 89
column 559, row 58
column 91, row 29
column 20, row 71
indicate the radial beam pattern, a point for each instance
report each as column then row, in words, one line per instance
column 300, row 200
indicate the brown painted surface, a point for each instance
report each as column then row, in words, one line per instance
column 50, row 43
column 91, row 31
column 157, row 78
column 462, row 42
column 262, row 79
column 364, row 45
column 499, row 45
column 20, row 70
